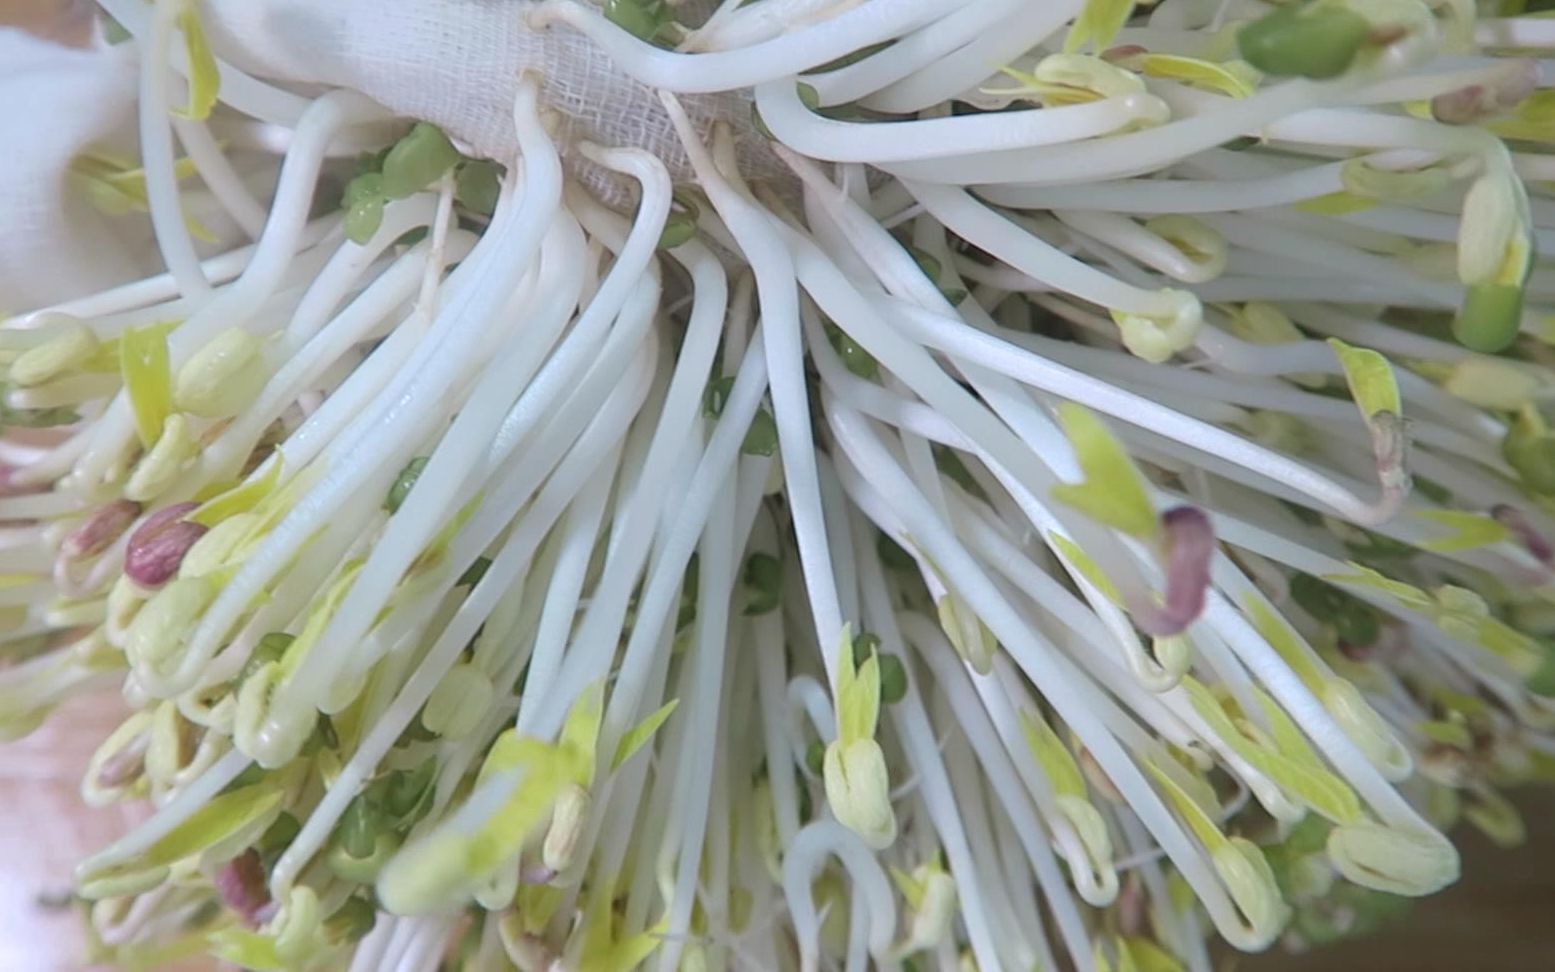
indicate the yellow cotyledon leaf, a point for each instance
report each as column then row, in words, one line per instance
column 547, row 769
column 1303, row 777
column 858, row 693
column 1203, row 827
column 1469, row 530
column 204, row 75
column 1098, row 24
column 1087, row 567
column 580, row 733
column 642, row 732
column 214, row 822
column 239, row 498
column 1113, row 492
column 1533, row 120
column 1050, row 94
column 602, row 951
column 319, row 615
column 246, row 949
column 1237, row 79
column 1055, row 758
column 1336, row 204
column 148, row 378
column 1147, row 956
column 1372, row 382
column 1363, row 576
column 1284, row 640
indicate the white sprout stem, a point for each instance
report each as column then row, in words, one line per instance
column 975, row 61
column 630, row 540
column 1309, row 559
column 744, row 26
column 693, row 732
column 961, row 214
column 848, row 308
column 217, row 172
column 808, row 698
column 819, row 137
column 1258, row 234
column 1191, row 385
column 1073, row 702
column 1310, row 714
column 694, row 777
column 483, row 414
column 350, row 261
column 1141, row 245
column 402, row 353
column 637, row 814
column 1362, row 329
column 237, row 305
column 398, row 422
column 1076, row 615
column 789, row 54
column 777, row 285
column 517, row 473
column 303, row 369
column 1123, row 155
column 429, row 939
column 436, row 259
column 767, row 633
column 664, row 576
column 591, row 451
column 911, row 53
column 950, row 335
column 1180, row 928
column 1019, row 884
column 63, row 391
column 720, row 863
column 157, row 296
column 801, row 864
column 239, row 90
column 913, row 730
column 565, row 588
column 891, row 264
column 40, row 506
column 156, row 149
column 1012, row 935
column 839, row 538
column 168, row 816
column 719, row 14
column 1514, row 32
column 1144, row 197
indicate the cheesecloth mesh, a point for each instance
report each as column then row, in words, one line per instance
column 455, row 63
column 58, row 100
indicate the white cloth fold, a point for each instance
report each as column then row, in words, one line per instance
column 56, row 101
column 456, row 63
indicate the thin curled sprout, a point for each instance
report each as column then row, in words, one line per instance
column 1094, row 505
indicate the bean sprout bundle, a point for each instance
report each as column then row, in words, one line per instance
column 994, row 541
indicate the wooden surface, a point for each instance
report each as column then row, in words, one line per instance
column 1499, row 918
column 45, row 830
column 67, row 21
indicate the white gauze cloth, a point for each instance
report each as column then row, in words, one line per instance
column 455, row 63
column 54, row 102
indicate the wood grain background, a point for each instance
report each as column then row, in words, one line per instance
column 1500, row 918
